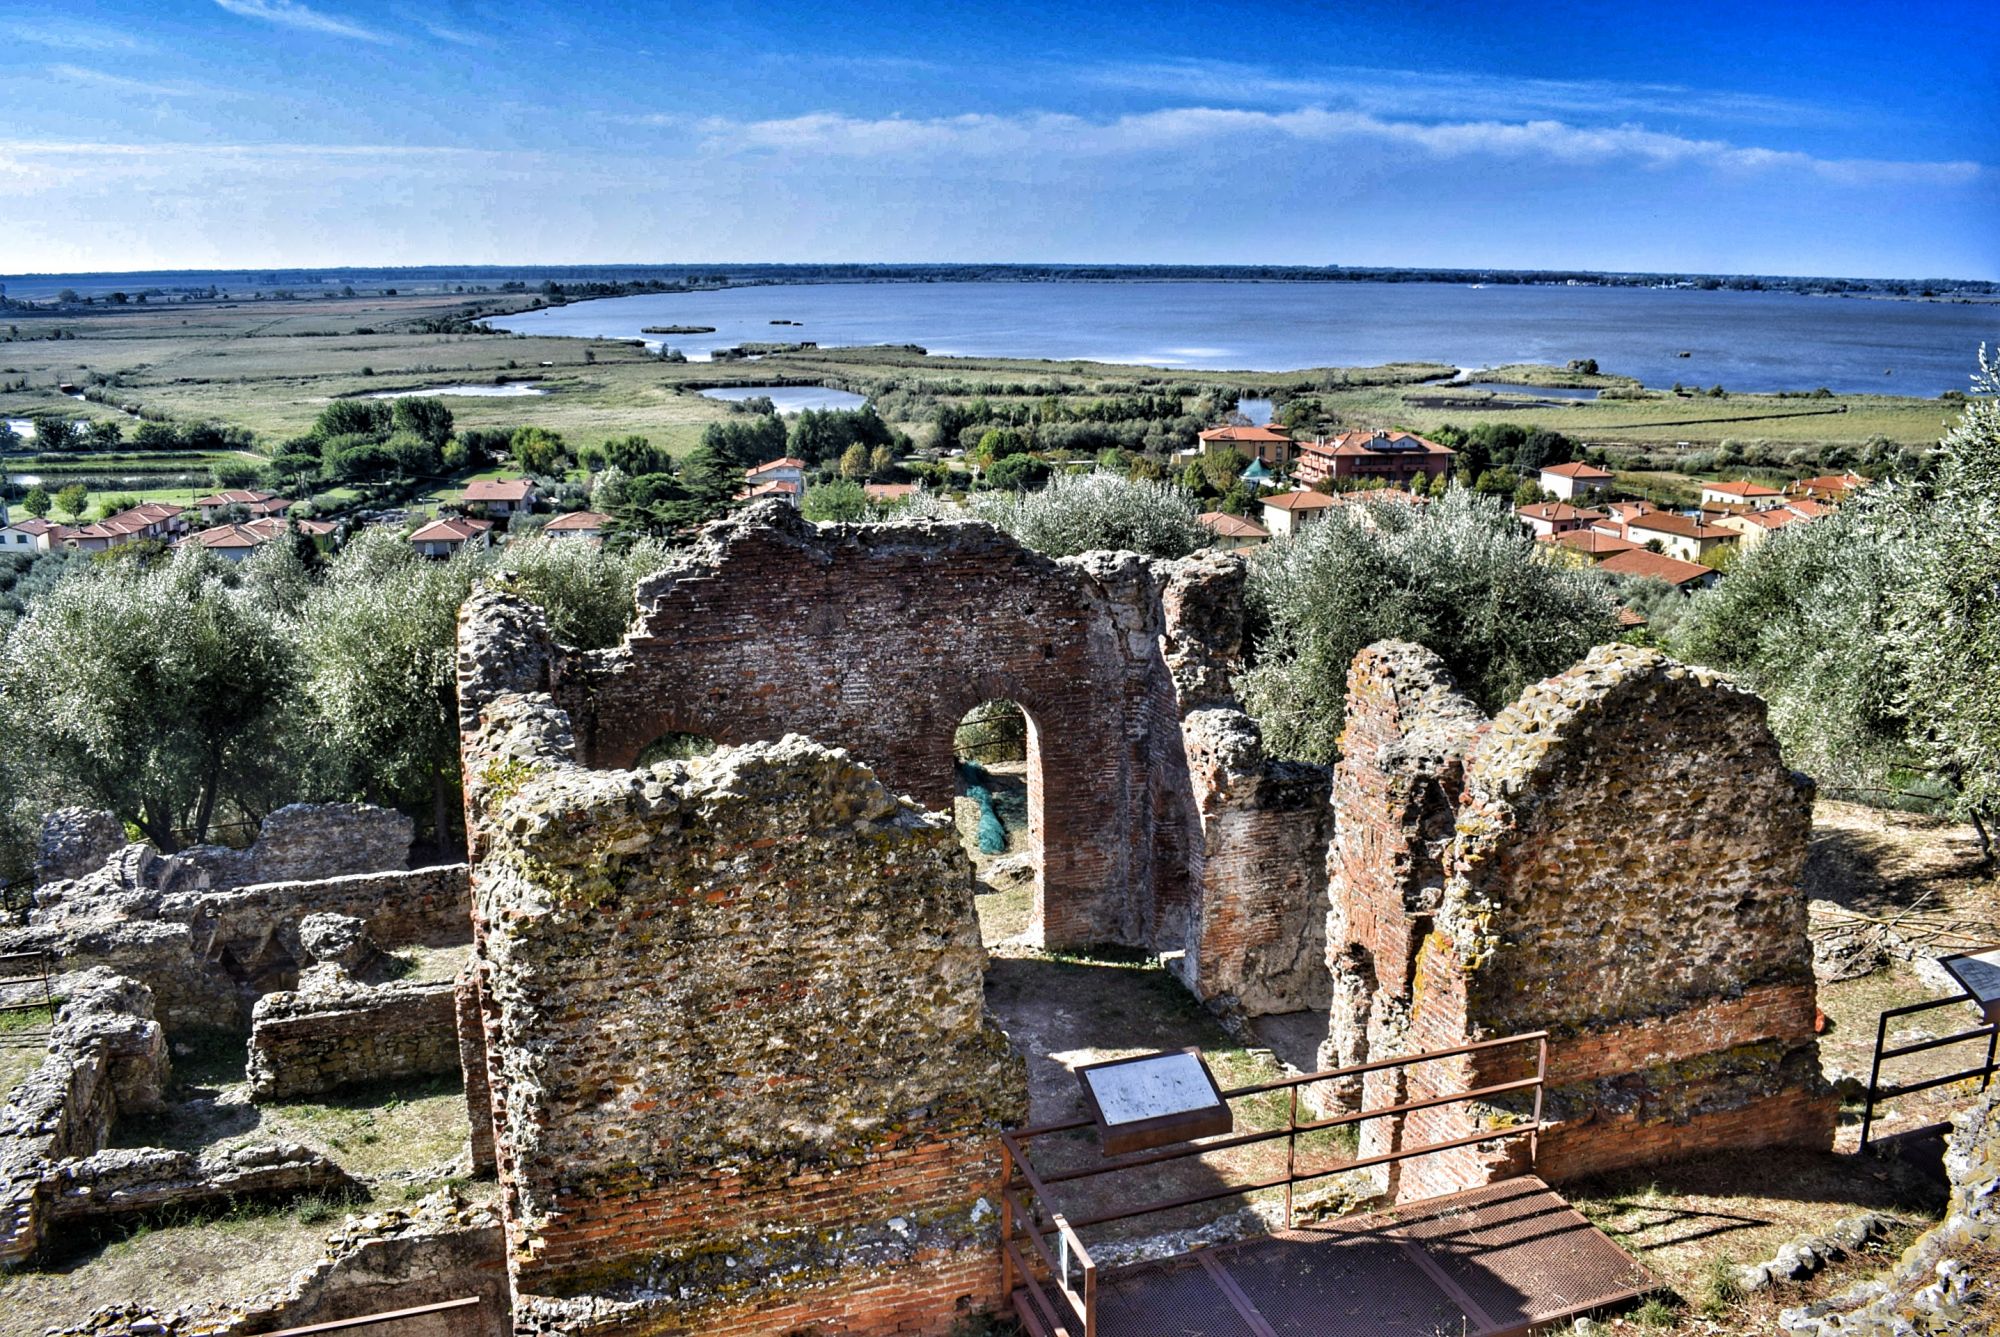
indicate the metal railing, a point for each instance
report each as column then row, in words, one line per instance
column 1878, row 1093
column 1027, row 1207
column 386, row 1318
column 29, row 968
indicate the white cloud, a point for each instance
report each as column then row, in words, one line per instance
column 78, row 74
column 1057, row 134
column 1395, row 92
column 65, row 35
column 291, row 14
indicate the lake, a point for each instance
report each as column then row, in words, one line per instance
column 791, row 398
column 1740, row 340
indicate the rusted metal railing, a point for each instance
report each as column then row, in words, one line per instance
column 1878, row 1093
column 1028, row 1215
column 29, row 968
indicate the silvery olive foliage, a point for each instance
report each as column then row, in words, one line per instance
column 1097, row 511
column 1458, row 576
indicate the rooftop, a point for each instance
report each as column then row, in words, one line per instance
column 1577, row 469
column 1307, row 500
column 1224, row 525
column 577, row 520
column 500, row 489
column 1655, row 566
column 1252, row 434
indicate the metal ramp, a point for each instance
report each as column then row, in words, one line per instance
column 1494, row 1261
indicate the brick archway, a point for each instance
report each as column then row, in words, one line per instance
column 879, row 639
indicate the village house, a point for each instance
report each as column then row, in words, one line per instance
column 1658, row 566
column 585, row 525
column 1584, row 547
column 1269, row 446
column 28, row 534
column 1545, row 518
column 1828, row 487
column 1678, row 536
column 1233, row 531
column 257, row 503
column 1395, row 457
column 784, row 478
column 154, row 519
column 234, row 542
column 1570, row 481
column 1753, row 527
column 447, row 534
column 1742, row 492
column 1289, row 512
column 502, row 496
column 884, row 494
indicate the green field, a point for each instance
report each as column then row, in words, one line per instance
column 272, row 365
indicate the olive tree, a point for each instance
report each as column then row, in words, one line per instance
column 1458, row 576
column 1086, row 512
column 156, row 693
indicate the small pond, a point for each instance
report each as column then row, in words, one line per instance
column 510, row 390
column 1530, row 391
column 1258, row 411
column 791, row 398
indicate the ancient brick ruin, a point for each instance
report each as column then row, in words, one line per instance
column 1613, row 859
column 742, row 1077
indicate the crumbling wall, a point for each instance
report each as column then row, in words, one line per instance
column 334, row 1032
column 1942, row 1283
column 742, row 1076
column 208, row 955
column 76, row 841
column 310, row 841
column 392, row 1258
column 1396, row 790
column 106, row 1056
column 880, row 638
column 1256, row 933
column 1257, row 941
column 1623, row 874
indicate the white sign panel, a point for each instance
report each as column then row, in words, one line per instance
column 1150, row 1087
column 1979, row 972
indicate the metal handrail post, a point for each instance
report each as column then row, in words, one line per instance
column 1874, row 1077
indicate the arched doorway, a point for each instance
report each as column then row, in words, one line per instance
column 997, row 756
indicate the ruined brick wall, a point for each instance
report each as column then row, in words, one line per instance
column 1624, row 874
column 879, row 638
column 1255, row 926
column 1396, row 789
column 741, row 1073
column 1257, row 940
column 334, row 1032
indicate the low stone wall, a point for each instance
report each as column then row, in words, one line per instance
column 333, row 1032
column 209, row 955
column 106, row 1056
column 144, row 1179
column 311, row 841
column 439, row 1250
column 1942, row 1284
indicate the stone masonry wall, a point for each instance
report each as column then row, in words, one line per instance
column 742, row 1077
column 334, row 1032
column 1623, row 874
column 1257, row 941
column 1396, row 789
column 208, row 955
column 106, row 1056
column 880, row 638
column 309, row 841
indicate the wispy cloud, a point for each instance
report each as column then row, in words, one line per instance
column 78, row 74
column 291, row 14
column 1058, row 134
column 1396, row 92
column 455, row 33
column 67, row 35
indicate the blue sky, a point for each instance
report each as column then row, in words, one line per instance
column 1842, row 139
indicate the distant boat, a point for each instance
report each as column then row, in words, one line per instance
column 1475, row 285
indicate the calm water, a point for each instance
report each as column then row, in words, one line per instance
column 792, row 398
column 510, row 390
column 1741, row 340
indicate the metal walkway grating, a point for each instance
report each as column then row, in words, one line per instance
column 1489, row 1262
